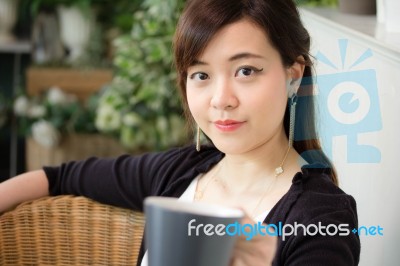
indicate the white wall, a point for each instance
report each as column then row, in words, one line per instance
column 375, row 184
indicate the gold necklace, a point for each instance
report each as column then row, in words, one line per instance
column 253, row 213
column 198, row 195
column 278, row 171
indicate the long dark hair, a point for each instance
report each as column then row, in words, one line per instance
column 280, row 20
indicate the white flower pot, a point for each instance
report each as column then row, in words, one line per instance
column 75, row 30
column 8, row 17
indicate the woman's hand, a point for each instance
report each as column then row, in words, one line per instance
column 258, row 251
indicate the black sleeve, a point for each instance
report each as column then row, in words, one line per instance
column 126, row 180
column 123, row 181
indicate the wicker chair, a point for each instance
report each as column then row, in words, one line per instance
column 67, row 230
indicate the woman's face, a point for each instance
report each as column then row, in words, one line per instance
column 236, row 90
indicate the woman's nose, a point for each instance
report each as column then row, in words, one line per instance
column 224, row 96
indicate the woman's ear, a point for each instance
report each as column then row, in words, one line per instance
column 295, row 75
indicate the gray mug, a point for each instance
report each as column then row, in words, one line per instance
column 180, row 233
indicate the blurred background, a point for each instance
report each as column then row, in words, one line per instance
column 82, row 78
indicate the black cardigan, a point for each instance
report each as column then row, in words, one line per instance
column 313, row 198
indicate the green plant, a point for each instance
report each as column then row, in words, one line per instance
column 48, row 116
column 110, row 13
column 117, row 14
column 328, row 3
column 141, row 106
column 35, row 5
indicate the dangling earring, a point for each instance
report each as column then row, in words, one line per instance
column 292, row 118
column 198, row 139
column 293, row 101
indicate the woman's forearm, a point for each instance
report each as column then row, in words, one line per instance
column 24, row 187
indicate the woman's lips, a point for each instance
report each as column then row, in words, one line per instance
column 228, row 125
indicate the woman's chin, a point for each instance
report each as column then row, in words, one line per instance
column 232, row 147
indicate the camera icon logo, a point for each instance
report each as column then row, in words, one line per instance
column 348, row 103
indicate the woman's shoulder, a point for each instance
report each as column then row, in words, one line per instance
column 188, row 155
column 316, row 178
column 173, row 170
column 319, row 196
column 324, row 215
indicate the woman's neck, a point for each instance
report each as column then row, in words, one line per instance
column 244, row 172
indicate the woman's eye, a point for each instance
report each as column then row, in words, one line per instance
column 247, row 71
column 199, row 76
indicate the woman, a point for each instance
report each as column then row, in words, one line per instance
column 240, row 64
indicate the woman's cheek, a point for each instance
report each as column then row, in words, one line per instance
column 195, row 104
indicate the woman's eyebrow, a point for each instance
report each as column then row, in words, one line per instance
column 197, row 62
column 244, row 55
column 235, row 57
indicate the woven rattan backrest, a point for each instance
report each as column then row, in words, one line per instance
column 67, row 230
